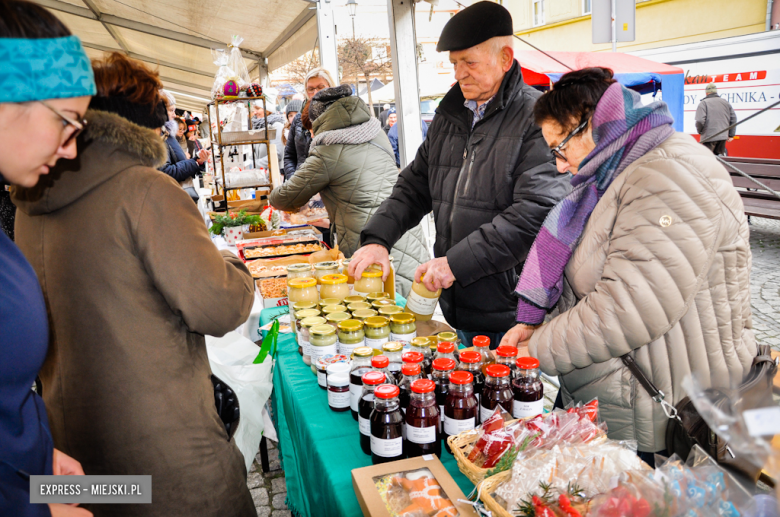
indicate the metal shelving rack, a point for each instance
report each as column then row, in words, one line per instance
column 220, row 145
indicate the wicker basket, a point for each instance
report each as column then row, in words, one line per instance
column 486, row 489
column 461, row 445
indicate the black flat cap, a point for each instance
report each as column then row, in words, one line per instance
column 474, row 25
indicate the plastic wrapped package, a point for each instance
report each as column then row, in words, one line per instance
column 236, row 62
column 250, row 178
column 414, row 493
column 231, row 67
column 224, row 73
column 314, row 210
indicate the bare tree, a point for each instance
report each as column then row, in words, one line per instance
column 366, row 57
column 297, row 69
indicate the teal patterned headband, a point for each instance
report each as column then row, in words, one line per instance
column 40, row 69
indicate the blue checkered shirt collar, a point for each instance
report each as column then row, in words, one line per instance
column 478, row 111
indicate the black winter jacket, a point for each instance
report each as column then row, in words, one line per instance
column 490, row 189
column 178, row 166
column 297, row 149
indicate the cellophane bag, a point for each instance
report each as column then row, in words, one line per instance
column 236, row 62
column 224, row 72
column 314, row 210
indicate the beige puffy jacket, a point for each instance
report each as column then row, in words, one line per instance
column 662, row 271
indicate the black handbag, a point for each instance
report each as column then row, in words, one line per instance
column 227, row 405
column 687, row 428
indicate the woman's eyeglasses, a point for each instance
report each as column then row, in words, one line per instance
column 315, row 89
column 556, row 151
column 67, row 122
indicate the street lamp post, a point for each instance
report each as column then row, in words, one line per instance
column 352, row 7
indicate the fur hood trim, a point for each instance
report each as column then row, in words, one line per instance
column 117, row 131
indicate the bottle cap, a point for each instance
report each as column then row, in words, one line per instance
column 386, row 391
column 338, row 380
column 423, row 386
column 393, row 346
column 527, row 363
column 373, row 378
column 411, row 369
column 461, row 377
column 497, row 370
column 380, row 361
column 412, row 357
column 446, row 348
column 506, row 351
column 363, row 351
column 470, row 356
column 450, row 337
column 444, row 364
column 480, row 341
column 338, row 369
column 422, row 342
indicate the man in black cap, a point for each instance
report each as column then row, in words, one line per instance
column 487, row 174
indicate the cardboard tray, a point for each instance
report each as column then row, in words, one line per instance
column 371, row 502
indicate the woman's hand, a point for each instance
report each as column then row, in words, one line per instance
column 66, row 510
column 518, row 336
column 64, row 465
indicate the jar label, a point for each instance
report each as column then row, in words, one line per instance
column 455, row 426
column 321, row 351
column 338, row 399
column 522, row 409
column 355, row 390
column 387, row 448
column 421, row 305
column 421, row 435
column 304, row 344
column 365, row 426
column 376, row 344
column 351, row 289
column 322, row 379
column 345, row 349
column 485, row 413
column 403, row 337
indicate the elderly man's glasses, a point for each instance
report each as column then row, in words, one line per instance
column 557, row 150
column 67, row 124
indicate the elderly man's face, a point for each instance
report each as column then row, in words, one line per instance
column 480, row 69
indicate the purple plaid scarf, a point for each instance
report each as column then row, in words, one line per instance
column 624, row 130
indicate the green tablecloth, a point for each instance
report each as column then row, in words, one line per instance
column 319, row 447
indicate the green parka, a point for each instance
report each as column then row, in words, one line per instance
column 351, row 165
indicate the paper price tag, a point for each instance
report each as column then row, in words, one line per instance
column 763, row 421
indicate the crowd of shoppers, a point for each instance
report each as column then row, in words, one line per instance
column 574, row 225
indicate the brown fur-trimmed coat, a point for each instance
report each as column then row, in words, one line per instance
column 132, row 283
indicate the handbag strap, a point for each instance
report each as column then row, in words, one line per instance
column 657, row 395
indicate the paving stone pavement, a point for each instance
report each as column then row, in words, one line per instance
column 269, row 491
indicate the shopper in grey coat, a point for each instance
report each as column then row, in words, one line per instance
column 713, row 116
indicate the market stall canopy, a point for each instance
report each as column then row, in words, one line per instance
column 633, row 72
column 431, row 86
column 178, row 35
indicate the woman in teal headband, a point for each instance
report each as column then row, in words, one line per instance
column 45, row 88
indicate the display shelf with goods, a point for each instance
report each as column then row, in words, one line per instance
column 222, row 140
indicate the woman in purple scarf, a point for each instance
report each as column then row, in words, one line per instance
column 647, row 257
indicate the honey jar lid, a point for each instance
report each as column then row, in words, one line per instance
column 527, row 363
column 354, row 299
column 506, row 351
column 497, row 370
column 329, row 309
column 334, row 279
column 376, row 296
column 372, row 273
column 450, row 337
column 373, row 378
column 383, row 302
column 326, row 265
column 322, row 330
column 313, row 321
column 405, row 318
column 386, row 391
column 363, row 351
column 393, row 346
column 470, row 356
column 298, row 268
column 423, row 386
column 380, row 361
column 422, row 342
column 350, row 325
column 374, row 322
column 338, row 317
column 299, row 306
column 301, row 283
column 364, row 314
column 329, row 301
column 413, row 357
column 461, row 377
column 444, row 364
column 306, row 313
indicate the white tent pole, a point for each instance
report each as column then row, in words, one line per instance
column 403, row 47
column 326, row 30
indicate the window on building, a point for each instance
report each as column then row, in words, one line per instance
column 587, row 6
column 538, row 9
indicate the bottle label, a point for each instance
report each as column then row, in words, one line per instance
column 304, row 344
column 454, row 426
column 421, row 305
column 376, row 344
column 321, row 351
column 322, row 379
column 338, row 399
column 421, row 434
column 485, row 413
column 345, row 349
column 522, row 409
column 387, row 448
column 403, row 337
column 355, row 390
column 365, row 426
